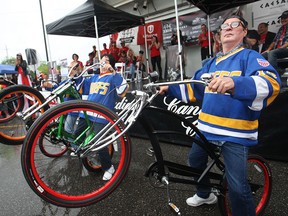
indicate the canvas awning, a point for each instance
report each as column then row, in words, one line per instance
column 212, row 6
column 80, row 22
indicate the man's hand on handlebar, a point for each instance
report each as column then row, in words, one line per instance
column 163, row 89
column 221, row 85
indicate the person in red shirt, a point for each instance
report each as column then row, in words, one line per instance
column 90, row 62
column 266, row 37
column 114, row 51
column 217, row 43
column 78, row 69
column 123, row 47
column 155, row 55
column 203, row 41
column 123, row 56
column 105, row 50
column 22, row 69
column 140, row 58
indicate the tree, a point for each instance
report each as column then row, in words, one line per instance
column 9, row 61
column 43, row 68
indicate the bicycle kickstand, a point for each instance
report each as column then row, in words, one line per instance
column 171, row 205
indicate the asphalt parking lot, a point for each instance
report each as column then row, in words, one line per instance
column 134, row 196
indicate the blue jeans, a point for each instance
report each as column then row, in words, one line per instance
column 70, row 123
column 275, row 54
column 132, row 71
column 235, row 160
column 104, row 156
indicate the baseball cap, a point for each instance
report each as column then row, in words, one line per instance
column 253, row 34
column 284, row 15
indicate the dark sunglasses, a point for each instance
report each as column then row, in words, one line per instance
column 232, row 25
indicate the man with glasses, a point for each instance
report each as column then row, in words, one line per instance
column 278, row 49
column 242, row 84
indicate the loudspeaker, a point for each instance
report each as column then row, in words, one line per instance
column 31, row 55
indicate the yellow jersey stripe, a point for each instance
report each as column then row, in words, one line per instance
column 229, row 123
column 275, row 86
column 227, row 56
column 190, row 93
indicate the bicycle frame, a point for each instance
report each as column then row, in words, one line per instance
column 182, row 169
column 59, row 92
column 131, row 113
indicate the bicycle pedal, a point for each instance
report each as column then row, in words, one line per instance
column 174, row 208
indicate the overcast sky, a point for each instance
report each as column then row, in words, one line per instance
column 21, row 28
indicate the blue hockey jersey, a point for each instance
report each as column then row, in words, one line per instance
column 233, row 117
column 104, row 88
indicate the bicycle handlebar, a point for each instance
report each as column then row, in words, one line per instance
column 204, row 80
column 175, row 83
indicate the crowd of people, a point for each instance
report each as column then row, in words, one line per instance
column 272, row 46
column 122, row 54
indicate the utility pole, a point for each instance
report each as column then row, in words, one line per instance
column 44, row 32
column 6, row 51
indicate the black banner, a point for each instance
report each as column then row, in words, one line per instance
column 273, row 128
column 190, row 25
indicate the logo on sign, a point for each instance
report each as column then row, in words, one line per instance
column 190, row 112
column 150, row 29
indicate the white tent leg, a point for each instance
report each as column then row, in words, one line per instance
column 97, row 38
column 179, row 43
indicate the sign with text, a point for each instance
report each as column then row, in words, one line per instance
column 153, row 28
column 163, row 120
column 268, row 11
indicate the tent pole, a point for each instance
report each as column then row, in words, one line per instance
column 178, row 36
column 146, row 50
column 97, row 38
column 209, row 38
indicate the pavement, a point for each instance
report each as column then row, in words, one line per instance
column 134, row 196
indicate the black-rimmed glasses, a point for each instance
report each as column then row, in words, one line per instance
column 232, row 25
